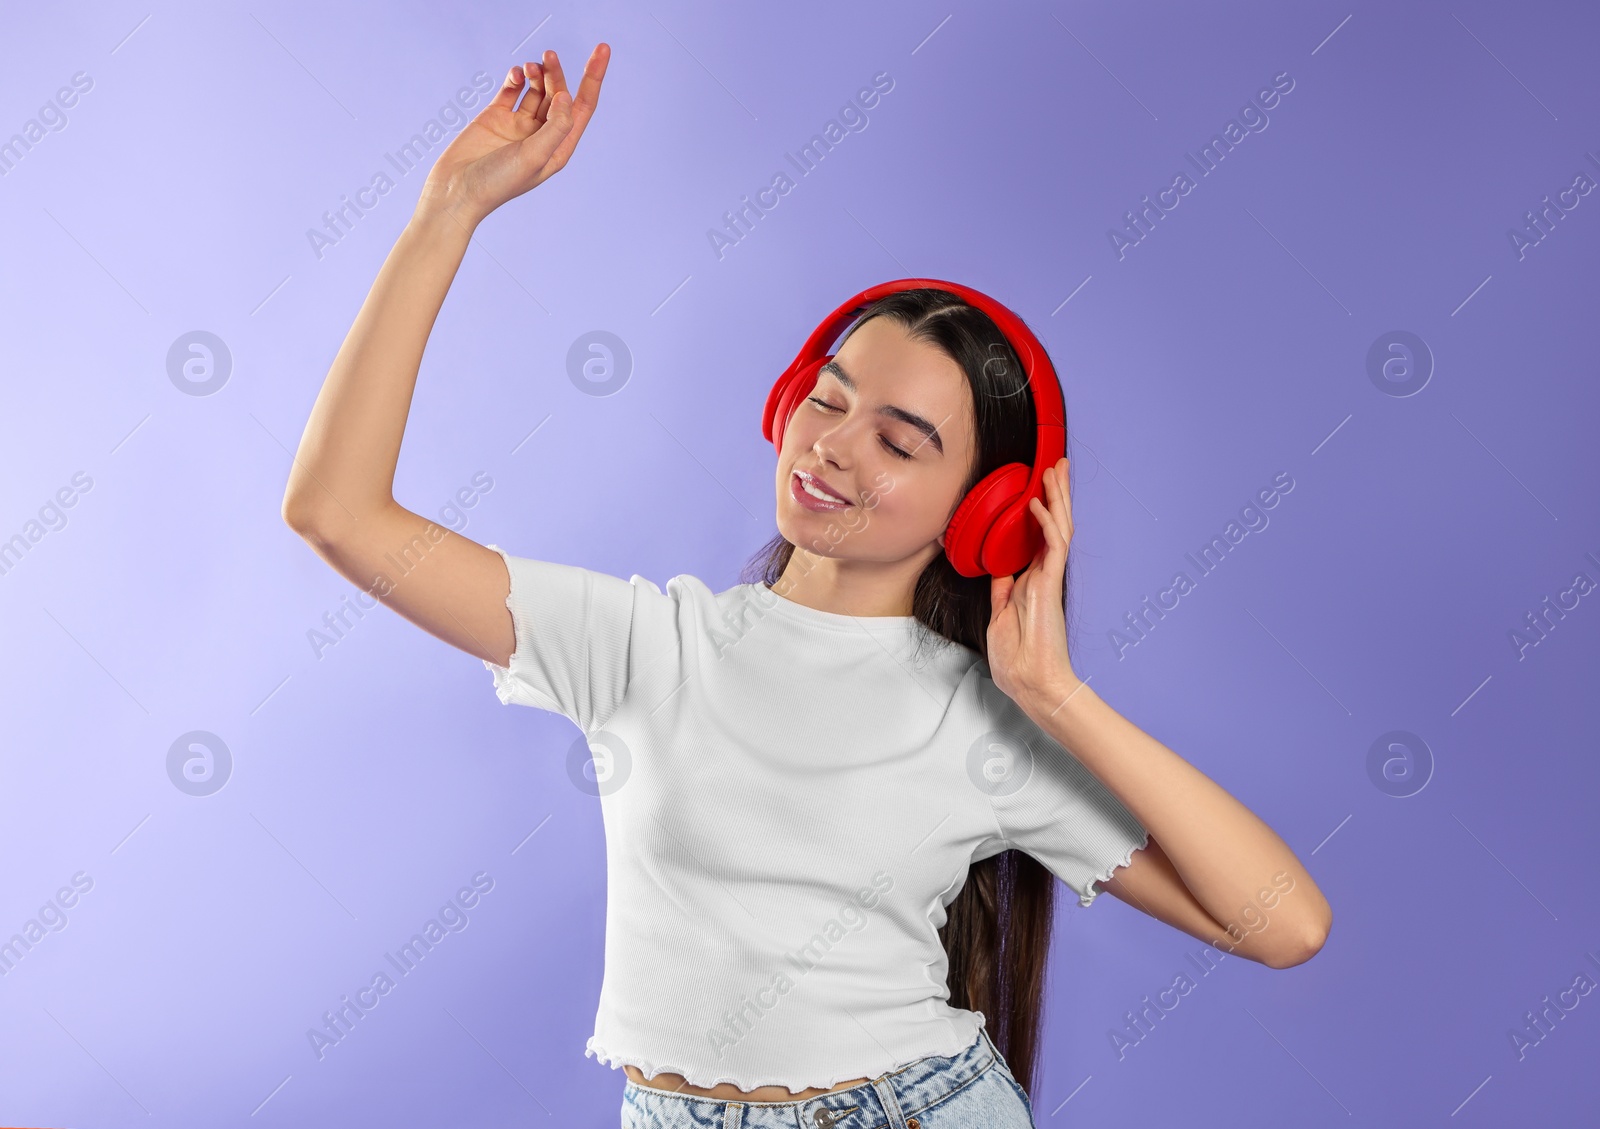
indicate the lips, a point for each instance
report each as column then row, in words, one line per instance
column 798, row 483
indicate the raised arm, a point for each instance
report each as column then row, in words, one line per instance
column 340, row 496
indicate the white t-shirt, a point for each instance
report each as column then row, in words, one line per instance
column 791, row 799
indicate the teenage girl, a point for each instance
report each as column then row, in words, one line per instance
column 837, row 797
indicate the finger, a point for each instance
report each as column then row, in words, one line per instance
column 534, row 152
column 1051, row 564
column 506, row 99
column 1053, row 559
column 594, row 73
column 999, row 595
column 554, row 82
column 1064, row 490
column 583, row 105
column 1060, row 508
column 555, row 77
column 533, row 102
column 1045, row 513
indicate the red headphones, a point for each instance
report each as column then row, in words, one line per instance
column 992, row 531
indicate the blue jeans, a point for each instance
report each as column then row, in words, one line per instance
column 971, row 1088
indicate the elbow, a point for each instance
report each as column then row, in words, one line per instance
column 295, row 514
column 1310, row 945
column 300, row 515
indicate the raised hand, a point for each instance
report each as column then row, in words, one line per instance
column 508, row 149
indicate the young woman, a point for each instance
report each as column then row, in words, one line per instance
column 837, row 797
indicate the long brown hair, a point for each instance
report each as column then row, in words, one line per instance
column 997, row 930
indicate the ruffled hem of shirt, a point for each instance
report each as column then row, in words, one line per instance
column 505, row 682
column 1086, row 900
column 505, row 687
column 651, row 1069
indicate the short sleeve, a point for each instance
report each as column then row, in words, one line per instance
column 574, row 633
column 1055, row 809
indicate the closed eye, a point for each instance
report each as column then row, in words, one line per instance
column 896, row 451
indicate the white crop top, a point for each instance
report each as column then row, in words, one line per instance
column 791, row 799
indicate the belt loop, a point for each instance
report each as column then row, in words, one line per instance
column 891, row 1104
column 732, row 1116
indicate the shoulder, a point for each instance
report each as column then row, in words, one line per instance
column 688, row 603
column 686, row 588
column 683, row 586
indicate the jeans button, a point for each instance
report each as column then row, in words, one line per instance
column 913, row 1123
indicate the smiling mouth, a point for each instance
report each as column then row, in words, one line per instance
column 803, row 488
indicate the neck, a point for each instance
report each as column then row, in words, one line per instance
column 846, row 587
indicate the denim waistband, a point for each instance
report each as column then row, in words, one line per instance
column 887, row 1100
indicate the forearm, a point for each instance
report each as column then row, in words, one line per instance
column 1226, row 856
column 345, row 466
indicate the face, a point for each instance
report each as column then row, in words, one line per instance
column 887, row 435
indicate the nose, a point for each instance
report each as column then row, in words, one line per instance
column 835, row 443
column 828, row 451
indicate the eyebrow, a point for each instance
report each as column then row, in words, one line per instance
column 916, row 421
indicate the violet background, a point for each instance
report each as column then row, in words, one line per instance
column 371, row 782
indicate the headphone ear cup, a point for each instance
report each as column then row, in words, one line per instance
column 992, row 533
column 788, row 394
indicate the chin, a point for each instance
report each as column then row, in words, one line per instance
column 800, row 530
